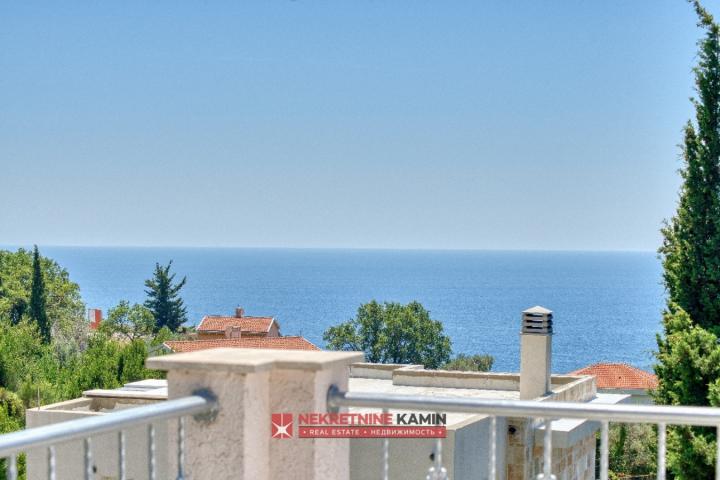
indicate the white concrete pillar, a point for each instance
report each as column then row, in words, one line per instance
column 250, row 385
column 535, row 353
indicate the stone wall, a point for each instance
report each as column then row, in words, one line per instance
column 575, row 463
column 520, row 443
column 525, row 454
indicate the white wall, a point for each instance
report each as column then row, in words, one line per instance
column 465, row 454
column 69, row 456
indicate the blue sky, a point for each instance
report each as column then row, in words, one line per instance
column 389, row 124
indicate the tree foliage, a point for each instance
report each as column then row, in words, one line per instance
column 688, row 357
column 691, row 246
column 392, row 333
column 632, row 452
column 30, row 367
column 130, row 322
column 164, row 298
column 12, row 413
column 688, row 370
column 38, row 309
column 470, row 363
column 64, row 307
column 63, row 360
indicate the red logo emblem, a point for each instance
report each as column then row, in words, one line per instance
column 281, row 425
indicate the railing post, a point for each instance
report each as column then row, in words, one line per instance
column 299, row 384
column 249, row 385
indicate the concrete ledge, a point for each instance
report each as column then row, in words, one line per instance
column 159, row 394
column 455, row 379
column 579, row 388
column 250, row 360
column 382, row 371
column 567, row 432
column 565, row 379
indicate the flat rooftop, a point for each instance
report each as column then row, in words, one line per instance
column 378, row 385
column 364, row 377
column 151, row 389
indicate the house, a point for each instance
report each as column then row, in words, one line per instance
column 622, row 378
column 240, row 331
column 275, row 343
column 221, row 326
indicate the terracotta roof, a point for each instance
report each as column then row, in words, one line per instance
column 619, row 376
column 277, row 343
column 218, row 323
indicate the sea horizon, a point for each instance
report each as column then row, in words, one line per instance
column 393, row 249
column 607, row 304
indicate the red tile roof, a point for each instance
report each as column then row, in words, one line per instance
column 620, row 376
column 277, row 343
column 218, row 323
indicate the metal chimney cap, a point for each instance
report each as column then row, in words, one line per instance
column 537, row 321
column 538, row 310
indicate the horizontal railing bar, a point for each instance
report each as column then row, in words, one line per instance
column 676, row 415
column 80, row 429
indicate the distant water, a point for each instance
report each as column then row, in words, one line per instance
column 607, row 305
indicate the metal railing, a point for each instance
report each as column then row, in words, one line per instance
column 661, row 416
column 12, row 444
column 203, row 403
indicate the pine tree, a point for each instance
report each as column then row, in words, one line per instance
column 38, row 311
column 164, row 300
column 688, row 358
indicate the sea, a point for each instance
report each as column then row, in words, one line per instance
column 607, row 305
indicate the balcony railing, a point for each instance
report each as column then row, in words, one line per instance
column 47, row 437
column 661, row 416
column 250, row 386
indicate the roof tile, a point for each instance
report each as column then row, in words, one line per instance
column 218, row 323
column 619, row 376
column 278, row 343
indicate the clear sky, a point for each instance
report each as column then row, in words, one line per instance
column 392, row 124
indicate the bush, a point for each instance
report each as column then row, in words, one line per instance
column 470, row 363
column 632, row 452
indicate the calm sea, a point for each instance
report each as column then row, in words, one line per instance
column 607, row 305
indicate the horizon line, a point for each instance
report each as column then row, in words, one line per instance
column 399, row 249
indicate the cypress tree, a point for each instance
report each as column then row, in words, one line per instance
column 38, row 311
column 691, row 248
column 688, row 357
column 164, row 300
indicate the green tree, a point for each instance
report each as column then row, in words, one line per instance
column 38, row 310
column 64, row 307
column 470, row 363
column 688, row 370
column 691, row 247
column 22, row 353
column 633, row 451
column 392, row 333
column 164, row 300
column 12, row 418
column 130, row 322
column 688, row 357
column 12, row 412
column 131, row 363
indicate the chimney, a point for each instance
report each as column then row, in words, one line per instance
column 235, row 332
column 239, row 312
column 535, row 352
column 94, row 318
